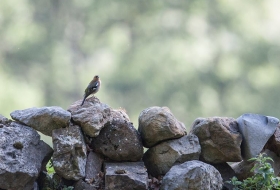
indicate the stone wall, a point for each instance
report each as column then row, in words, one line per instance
column 97, row 147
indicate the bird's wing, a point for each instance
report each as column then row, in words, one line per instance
column 94, row 85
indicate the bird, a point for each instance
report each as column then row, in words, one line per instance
column 92, row 87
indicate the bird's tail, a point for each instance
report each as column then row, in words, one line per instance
column 84, row 100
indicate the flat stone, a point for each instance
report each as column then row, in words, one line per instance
column 92, row 116
column 157, row 124
column 160, row 158
column 22, row 156
column 43, row 119
column 93, row 167
column 219, row 139
column 69, row 157
column 256, row 131
column 192, row 175
column 126, row 176
column 119, row 140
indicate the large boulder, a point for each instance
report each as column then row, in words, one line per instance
column 126, row 176
column 157, row 124
column 256, row 130
column 69, row 157
column 219, row 139
column 22, row 156
column 192, row 175
column 92, row 116
column 43, row 119
column 160, row 158
column 119, row 140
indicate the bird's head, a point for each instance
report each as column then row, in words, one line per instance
column 96, row 77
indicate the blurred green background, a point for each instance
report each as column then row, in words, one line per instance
column 199, row 58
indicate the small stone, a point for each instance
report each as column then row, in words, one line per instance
column 157, row 124
column 69, row 158
column 160, row 158
column 219, row 139
column 256, row 131
column 92, row 116
column 192, row 175
column 43, row 119
column 126, row 176
column 93, row 167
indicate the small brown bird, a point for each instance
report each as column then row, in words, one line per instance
column 92, row 87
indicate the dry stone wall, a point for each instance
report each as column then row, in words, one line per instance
column 97, row 147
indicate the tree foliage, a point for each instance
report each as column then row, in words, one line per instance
column 199, row 58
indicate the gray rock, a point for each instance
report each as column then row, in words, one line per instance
column 93, row 167
column 22, row 156
column 219, row 139
column 92, row 116
column 69, row 157
column 119, row 140
column 157, row 124
column 43, row 119
column 160, row 158
column 256, row 131
column 126, row 176
column 193, row 175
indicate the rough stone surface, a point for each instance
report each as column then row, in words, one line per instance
column 126, row 176
column 22, row 155
column 119, row 140
column 93, row 167
column 192, row 175
column 256, row 131
column 92, row 116
column 226, row 172
column 219, row 139
column 69, row 158
column 43, row 119
column 160, row 158
column 157, row 124
column 273, row 143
